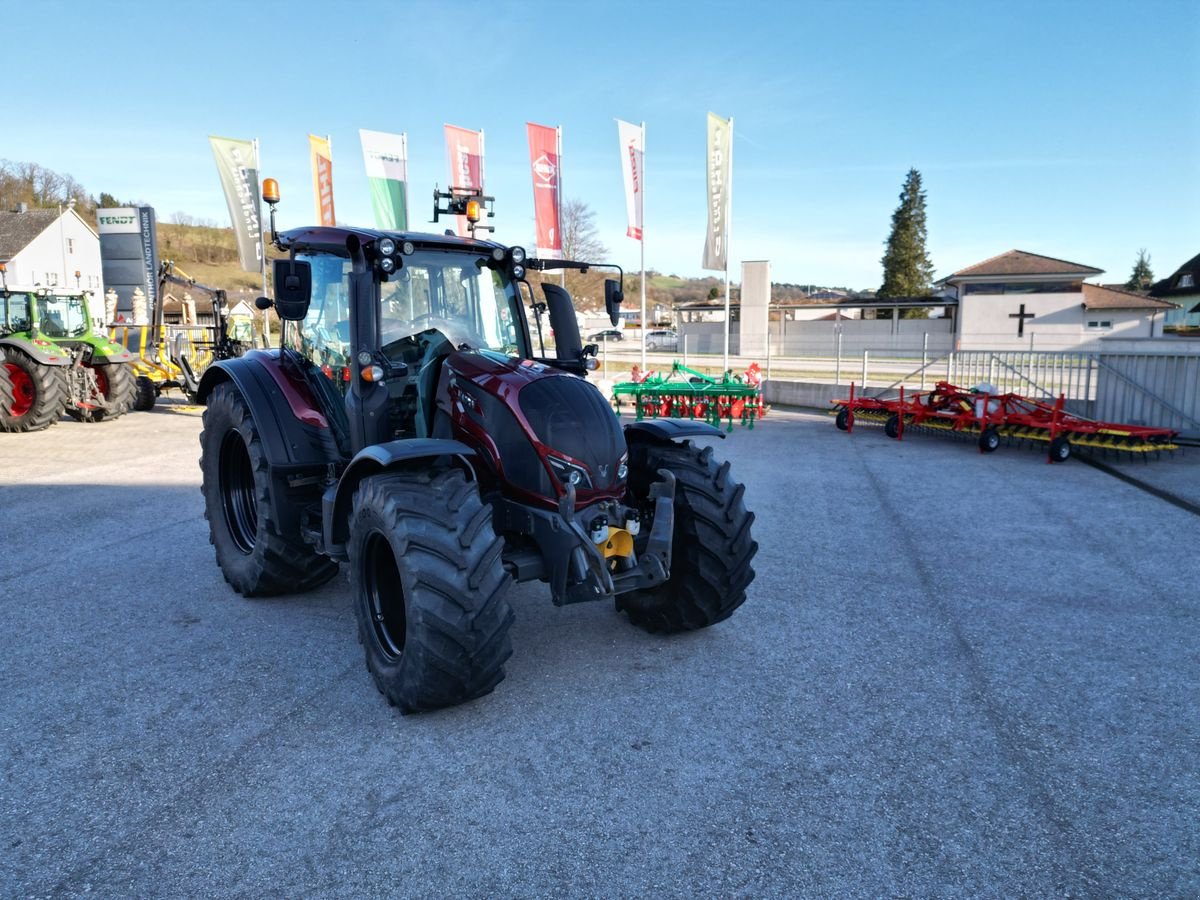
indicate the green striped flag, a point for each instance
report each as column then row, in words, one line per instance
column 386, row 158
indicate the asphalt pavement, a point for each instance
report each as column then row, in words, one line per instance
column 956, row 675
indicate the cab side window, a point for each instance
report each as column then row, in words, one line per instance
column 324, row 335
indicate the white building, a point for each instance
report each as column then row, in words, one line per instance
column 46, row 248
column 1021, row 300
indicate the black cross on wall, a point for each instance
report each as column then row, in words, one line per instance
column 1021, row 317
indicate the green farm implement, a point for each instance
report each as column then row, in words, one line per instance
column 684, row 393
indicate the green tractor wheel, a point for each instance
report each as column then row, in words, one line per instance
column 6, row 388
column 38, row 394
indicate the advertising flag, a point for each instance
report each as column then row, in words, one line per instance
column 720, row 160
column 322, row 169
column 544, row 160
column 632, row 149
column 237, row 164
column 464, row 156
column 386, row 159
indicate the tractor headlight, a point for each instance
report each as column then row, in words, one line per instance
column 387, row 264
column 407, row 248
column 387, row 246
column 518, row 255
column 498, row 255
column 518, row 272
column 569, row 472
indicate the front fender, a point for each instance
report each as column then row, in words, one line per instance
column 371, row 461
column 667, row 430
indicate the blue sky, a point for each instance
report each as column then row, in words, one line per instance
column 1069, row 129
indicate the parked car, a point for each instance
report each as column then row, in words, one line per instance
column 662, row 339
column 608, row 334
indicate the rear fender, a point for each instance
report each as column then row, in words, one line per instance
column 294, row 431
column 49, row 355
column 336, row 503
column 296, row 437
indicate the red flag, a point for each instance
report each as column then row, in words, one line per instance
column 464, row 155
column 544, row 159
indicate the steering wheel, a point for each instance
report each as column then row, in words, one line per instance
column 456, row 332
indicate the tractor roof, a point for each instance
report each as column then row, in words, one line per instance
column 334, row 239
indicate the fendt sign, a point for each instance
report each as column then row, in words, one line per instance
column 129, row 254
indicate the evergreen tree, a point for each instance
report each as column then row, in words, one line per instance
column 907, row 269
column 1142, row 276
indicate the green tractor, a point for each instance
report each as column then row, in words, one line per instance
column 54, row 361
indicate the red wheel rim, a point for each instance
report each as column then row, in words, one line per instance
column 101, row 381
column 24, row 393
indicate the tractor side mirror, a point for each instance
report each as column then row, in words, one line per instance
column 613, row 298
column 263, row 303
column 293, row 288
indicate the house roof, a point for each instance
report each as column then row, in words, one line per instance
column 1097, row 296
column 17, row 230
column 1169, row 287
column 1021, row 262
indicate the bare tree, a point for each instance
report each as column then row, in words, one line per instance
column 581, row 241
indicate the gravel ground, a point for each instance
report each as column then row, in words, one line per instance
column 956, row 674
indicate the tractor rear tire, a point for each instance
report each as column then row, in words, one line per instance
column 6, row 389
column 116, row 382
column 430, row 589
column 255, row 557
column 844, row 419
column 1060, row 449
column 39, row 394
column 711, row 547
column 144, row 394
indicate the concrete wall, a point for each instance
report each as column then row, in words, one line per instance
column 903, row 336
column 811, row 394
column 708, row 337
column 756, row 300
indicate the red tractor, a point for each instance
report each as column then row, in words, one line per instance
column 405, row 427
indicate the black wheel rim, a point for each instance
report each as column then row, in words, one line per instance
column 385, row 596
column 237, row 492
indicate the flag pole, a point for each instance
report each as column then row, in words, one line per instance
column 728, row 235
column 262, row 263
column 642, row 242
column 558, row 195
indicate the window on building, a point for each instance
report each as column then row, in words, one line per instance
column 70, row 245
column 1099, row 323
column 1025, row 287
column 51, row 279
column 1186, row 280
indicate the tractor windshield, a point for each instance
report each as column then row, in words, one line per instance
column 454, row 293
column 14, row 313
column 62, row 317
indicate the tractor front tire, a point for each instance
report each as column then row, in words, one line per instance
column 711, row 547
column 116, row 382
column 144, row 395
column 255, row 557
column 430, row 589
column 38, row 394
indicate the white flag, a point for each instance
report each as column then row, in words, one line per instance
column 632, row 147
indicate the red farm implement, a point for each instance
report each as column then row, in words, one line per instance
column 989, row 417
column 684, row 393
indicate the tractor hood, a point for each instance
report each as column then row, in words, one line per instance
column 543, row 427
